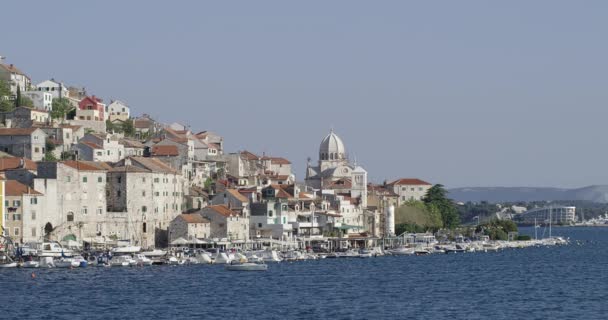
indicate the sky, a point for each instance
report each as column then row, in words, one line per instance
column 463, row 93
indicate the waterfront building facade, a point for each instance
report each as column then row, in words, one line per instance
column 409, row 189
column 555, row 214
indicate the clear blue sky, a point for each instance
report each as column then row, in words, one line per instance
column 464, row 93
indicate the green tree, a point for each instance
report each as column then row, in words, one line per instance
column 26, row 102
column 5, row 93
column 18, row 99
column 436, row 198
column 61, row 107
column 128, row 128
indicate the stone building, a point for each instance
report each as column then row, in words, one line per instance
column 189, row 226
column 23, row 142
column 24, row 212
column 23, row 117
column 149, row 194
column 226, row 223
column 100, row 147
column 409, row 189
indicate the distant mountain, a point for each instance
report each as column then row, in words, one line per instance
column 513, row 194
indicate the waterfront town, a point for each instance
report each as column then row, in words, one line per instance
column 78, row 172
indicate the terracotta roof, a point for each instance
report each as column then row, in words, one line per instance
column 193, row 218
column 277, row 160
column 17, row 131
column 128, row 168
column 213, row 145
column 16, row 188
column 87, row 165
column 91, row 145
column 154, row 165
column 235, row 193
column 248, row 155
column 16, row 163
column 222, row 209
column 165, row 150
column 409, row 181
column 11, row 68
column 142, row 123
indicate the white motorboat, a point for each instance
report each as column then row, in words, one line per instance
column 402, row 251
column 222, row 258
column 66, row 263
column 142, row 260
column 248, row 266
column 31, row 264
column 47, row 262
column 271, row 256
column 154, row 253
column 364, row 253
column 173, row 261
column 6, row 261
column 204, row 258
column 54, row 249
column 122, row 261
column 126, row 250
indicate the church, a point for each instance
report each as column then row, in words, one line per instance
column 335, row 172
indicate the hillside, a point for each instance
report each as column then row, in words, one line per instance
column 597, row 193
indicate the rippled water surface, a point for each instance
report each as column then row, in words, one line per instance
column 568, row 282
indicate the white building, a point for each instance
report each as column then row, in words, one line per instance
column 409, row 189
column 118, row 110
column 23, row 142
column 56, row 89
column 42, row 100
column 15, row 78
column 190, row 227
column 100, row 147
column 557, row 215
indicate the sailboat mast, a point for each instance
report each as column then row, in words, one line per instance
column 550, row 219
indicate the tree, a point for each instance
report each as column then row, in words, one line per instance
column 436, row 198
column 61, row 106
column 128, row 128
column 5, row 93
column 18, row 99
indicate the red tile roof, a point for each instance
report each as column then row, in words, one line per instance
column 222, row 209
column 165, row 150
column 277, row 160
column 16, row 188
column 236, row 194
column 409, row 181
column 87, row 165
column 16, row 163
column 17, row 131
column 248, row 155
column 193, row 218
column 12, row 69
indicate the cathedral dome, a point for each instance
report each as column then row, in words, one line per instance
column 332, row 148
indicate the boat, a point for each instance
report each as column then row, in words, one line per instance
column 204, row 258
column 126, row 250
column 402, row 251
column 247, row 266
column 54, row 249
column 122, row 261
column 421, row 252
column 47, row 262
column 154, row 253
column 31, row 264
column 66, row 263
column 6, row 261
column 171, row 260
column 82, row 262
column 222, row 258
column 142, row 260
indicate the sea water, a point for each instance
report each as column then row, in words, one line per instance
column 562, row 282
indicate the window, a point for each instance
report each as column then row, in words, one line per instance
column 144, row 209
column 84, row 210
column 16, row 203
column 6, row 203
column 270, row 213
column 36, row 149
column 119, row 179
column 99, row 179
column 16, row 217
column 156, row 193
column 33, row 215
column 143, row 179
column 143, row 193
column 99, row 211
column 69, row 179
column 156, row 180
column 412, row 189
column 118, row 193
column 84, row 179
column 99, row 153
column 34, row 200
column 16, row 232
column 108, row 152
column 144, row 227
column 33, row 232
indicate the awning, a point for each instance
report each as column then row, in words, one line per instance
column 179, row 242
column 69, row 237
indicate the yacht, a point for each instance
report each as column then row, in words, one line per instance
column 126, row 250
column 204, row 258
column 66, row 263
column 222, row 258
column 54, row 249
column 6, row 261
column 122, row 261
